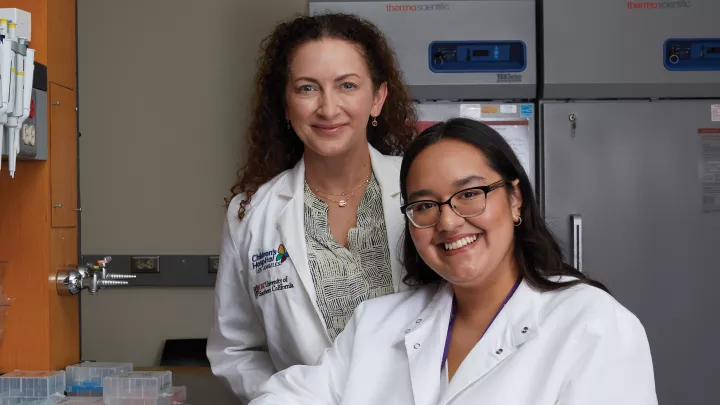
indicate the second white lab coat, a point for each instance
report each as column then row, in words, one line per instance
column 266, row 315
column 571, row 347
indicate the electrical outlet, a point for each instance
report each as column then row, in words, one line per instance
column 213, row 264
column 145, row 264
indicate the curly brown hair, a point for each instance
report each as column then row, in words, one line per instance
column 273, row 147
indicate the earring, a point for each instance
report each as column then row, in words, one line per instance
column 374, row 122
column 288, row 124
column 519, row 221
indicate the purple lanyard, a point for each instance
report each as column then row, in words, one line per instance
column 452, row 321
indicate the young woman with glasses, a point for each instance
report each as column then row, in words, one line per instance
column 499, row 319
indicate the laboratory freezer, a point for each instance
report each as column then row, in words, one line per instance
column 632, row 189
column 456, row 49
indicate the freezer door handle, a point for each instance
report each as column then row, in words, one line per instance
column 576, row 220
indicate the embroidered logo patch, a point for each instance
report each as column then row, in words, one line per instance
column 272, row 286
column 269, row 259
column 282, row 254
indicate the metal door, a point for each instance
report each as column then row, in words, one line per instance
column 632, row 174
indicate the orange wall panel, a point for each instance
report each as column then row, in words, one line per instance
column 24, row 245
column 61, row 44
column 42, row 329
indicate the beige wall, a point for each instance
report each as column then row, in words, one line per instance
column 164, row 91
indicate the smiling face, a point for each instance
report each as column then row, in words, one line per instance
column 330, row 96
column 464, row 251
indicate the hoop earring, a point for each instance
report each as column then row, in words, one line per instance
column 374, row 122
column 519, row 221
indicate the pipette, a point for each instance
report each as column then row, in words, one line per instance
column 17, row 83
column 5, row 52
column 28, row 70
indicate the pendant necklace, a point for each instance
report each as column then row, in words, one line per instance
column 342, row 202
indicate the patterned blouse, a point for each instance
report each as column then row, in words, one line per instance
column 345, row 277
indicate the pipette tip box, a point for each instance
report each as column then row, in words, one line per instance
column 137, row 385
column 86, row 379
column 20, row 387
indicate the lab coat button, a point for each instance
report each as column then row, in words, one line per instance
column 525, row 329
column 417, row 345
column 499, row 351
column 419, row 320
column 407, row 330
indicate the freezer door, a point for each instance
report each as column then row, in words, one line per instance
column 623, row 190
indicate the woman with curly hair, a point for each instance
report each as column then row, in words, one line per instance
column 314, row 225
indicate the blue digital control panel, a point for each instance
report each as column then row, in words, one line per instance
column 477, row 56
column 692, row 54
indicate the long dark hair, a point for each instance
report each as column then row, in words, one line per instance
column 536, row 250
column 273, row 147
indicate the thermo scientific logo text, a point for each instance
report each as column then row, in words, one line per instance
column 645, row 5
column 417, row 7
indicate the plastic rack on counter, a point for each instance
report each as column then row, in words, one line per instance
column 20, row 387
column 86, row 379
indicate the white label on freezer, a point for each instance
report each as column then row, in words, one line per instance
column 471, row 111
column 508, row 109
column 517, row 138
column 715, row 112
column 710, row 170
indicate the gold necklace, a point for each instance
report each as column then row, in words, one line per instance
column 342, row 202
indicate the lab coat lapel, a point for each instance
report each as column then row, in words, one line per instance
column 516, row 324
column 389, row 182
column 492, row 349
column 291, row 226
column 424, row 340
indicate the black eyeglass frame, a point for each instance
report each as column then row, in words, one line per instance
column 485, row 189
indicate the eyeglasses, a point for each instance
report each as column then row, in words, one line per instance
column 467, row 203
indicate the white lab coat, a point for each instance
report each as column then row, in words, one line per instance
column 571, row 347
column 266, row 316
